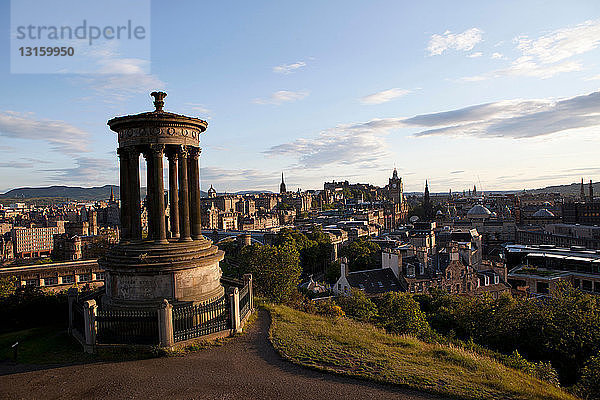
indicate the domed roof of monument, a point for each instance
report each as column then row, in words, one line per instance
column 478, row 211
column 543, row 213
column 156, row 118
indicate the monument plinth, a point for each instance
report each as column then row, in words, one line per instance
column 174, row 261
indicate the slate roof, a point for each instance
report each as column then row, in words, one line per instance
column 375, row 281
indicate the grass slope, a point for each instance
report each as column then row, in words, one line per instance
column 361, row 350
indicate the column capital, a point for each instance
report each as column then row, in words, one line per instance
column 182, row 150
column 172, row 153
column 194, row 152
column 157, row 149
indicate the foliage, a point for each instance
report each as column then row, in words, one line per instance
column 357, row 349
column 362, row 254
column 400, row 313
column 563, row 329
column 358, row 306
column 329, row 309
column 29, row 306
column 589, row 384
column 275, row 269
column 314, row 247
column 333, row 272
column 8, row 285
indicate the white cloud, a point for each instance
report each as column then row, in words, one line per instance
column 593, row 78
column 289, row 68
column 197, row 108
column 497, row 56
column 60, row 135
column 89, row 171
column 562, row 43
column 282, row 96
column 465, row 41
column 363, row 145
column 384, row 96
column 549, row 54
column 475, row 55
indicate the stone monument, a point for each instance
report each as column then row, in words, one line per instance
column 178, row 264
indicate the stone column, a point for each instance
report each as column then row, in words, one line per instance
column 173, row 195
column 134, row 194
column 184, row 197
column 234, row 304
column 160, row 235
column 89, row 320
column 150, row 192
column 194, row 179
column 165, row 324
column 123, row 190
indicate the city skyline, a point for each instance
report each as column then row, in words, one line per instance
column 474, row 94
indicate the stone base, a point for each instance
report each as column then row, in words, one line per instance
column 142, row 274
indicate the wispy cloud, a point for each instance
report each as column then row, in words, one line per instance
column 60, row 135
column 90, row 171
column 289, row 68
column 225, row 179
column 282, row 96
column 464, row 41
column 549, row 54
column 363, row 144
column 497, row 56
column 384, row 96
column 475, row 55
column 118, row 78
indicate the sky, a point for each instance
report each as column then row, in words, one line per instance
column 502, row 95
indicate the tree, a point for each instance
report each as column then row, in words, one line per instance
column 400, row 313
column 275, row 269
column 362, row 254
column 8, row 285
column 358, row 306
column 589, row 383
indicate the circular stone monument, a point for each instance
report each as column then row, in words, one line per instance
column 174, row 261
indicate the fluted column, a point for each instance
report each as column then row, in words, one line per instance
column 194, row 178
column 160, row 235
column 173, row 195
column 184, row 197
column 150, row 192
column 123, row 195
column 134, row 194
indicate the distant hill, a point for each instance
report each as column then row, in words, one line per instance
column 574, row 189
column 70, row 192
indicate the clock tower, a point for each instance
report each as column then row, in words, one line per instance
column 395, row 188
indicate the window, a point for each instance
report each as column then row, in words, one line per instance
column 99, row 276
column 68, row 279
column 85, row 277
column 576, row 283
column 339, row 286
column 458, row 288
column 32, row 282
column 597, row 287
column 468, row 286
column 542, row 288
column 448, row 275
column 586, row 285
column 51, row 281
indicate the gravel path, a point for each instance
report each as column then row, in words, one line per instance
column 246, row 367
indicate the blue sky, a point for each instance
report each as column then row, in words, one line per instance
column 504, row 95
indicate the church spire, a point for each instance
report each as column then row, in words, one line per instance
column 112, row 196
column 282, row 188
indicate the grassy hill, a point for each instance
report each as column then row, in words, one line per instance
column 351, row 348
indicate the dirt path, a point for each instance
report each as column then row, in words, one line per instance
column 245, row 368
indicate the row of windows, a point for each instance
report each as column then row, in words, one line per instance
column 66, row 279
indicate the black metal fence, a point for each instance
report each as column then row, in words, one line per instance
column 127, row 327
column 198, row 320
column 244, row 302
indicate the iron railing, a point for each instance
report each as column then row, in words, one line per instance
column 127, row 327
column 244, row 302
column 198, row 320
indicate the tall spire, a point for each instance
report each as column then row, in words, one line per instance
column 582, row 191
column 591, row 192
column 282, row 188
column 112, row 196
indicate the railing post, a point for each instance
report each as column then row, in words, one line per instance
column 234, row 303
column 165, row 324
column 248, row 282
column 72, row 298
column 89, row 321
